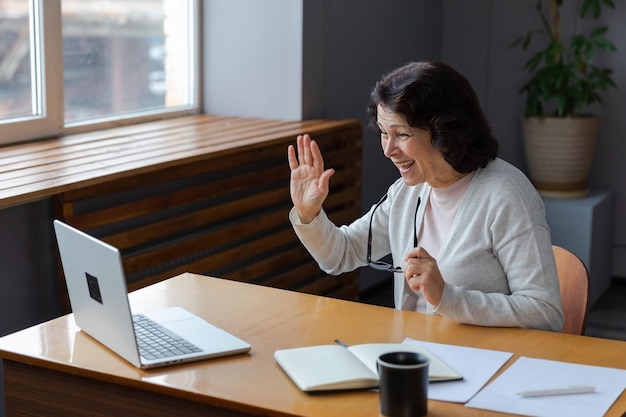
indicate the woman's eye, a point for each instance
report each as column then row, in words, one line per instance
column 403, row 136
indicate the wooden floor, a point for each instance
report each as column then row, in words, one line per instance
column 605, row 319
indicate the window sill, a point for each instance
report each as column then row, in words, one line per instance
column 39, row 170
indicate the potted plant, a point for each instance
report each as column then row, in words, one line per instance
column 559, row 132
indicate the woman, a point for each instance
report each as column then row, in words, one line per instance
column 466, row 230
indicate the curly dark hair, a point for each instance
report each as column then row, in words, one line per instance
column 434, row 96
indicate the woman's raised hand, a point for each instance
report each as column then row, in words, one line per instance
column 309, row 182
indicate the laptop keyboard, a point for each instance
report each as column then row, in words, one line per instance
column 155, row 341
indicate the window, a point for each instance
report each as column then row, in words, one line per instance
column 74, row 65
column 15, row 69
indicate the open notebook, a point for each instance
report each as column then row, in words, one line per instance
column 335, row 367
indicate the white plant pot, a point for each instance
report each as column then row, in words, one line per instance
column 559, row 153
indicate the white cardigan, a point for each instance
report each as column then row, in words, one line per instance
column 497, row 260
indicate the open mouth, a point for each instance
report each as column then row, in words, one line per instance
column 405, row 166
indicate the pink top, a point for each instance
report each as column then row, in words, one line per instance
column 440, row 212
column 439, row 215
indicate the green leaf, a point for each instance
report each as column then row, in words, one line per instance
column 592, row 6
column 561, row 76
column 609, row 3
column 598, row 31
column 604, row 45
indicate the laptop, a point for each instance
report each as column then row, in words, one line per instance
column 98, row 294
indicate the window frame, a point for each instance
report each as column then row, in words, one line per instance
column 51, row 121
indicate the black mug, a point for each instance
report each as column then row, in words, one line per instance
column 403, row 384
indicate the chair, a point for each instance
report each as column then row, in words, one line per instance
column 574, row 283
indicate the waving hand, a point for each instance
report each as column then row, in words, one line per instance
column 309, row 182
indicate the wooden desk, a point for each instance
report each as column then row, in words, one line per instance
column 54, row 369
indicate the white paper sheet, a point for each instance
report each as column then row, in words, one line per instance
column 536, row 374
column 476, row 365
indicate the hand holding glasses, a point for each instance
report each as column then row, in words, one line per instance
column 380, row 265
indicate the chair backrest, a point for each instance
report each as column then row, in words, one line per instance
column 574, row 283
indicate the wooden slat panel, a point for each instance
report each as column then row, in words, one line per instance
column 268, row 267
column 345, row 287
column 214, row 187
column 305, row 272
column 223, row 212
column 209, row 242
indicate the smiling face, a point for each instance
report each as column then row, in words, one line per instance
column 411, row 151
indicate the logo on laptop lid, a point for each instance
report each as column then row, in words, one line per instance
column 94, row 288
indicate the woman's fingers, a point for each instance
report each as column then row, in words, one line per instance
column 291, row 157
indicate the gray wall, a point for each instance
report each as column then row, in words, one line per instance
column 253, row 64
column 29, row 290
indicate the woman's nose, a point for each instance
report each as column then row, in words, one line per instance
column 389, row 146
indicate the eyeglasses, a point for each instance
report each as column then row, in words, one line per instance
column 380, row 265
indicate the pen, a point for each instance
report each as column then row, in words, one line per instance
column 575, row 389
column 340, row 343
